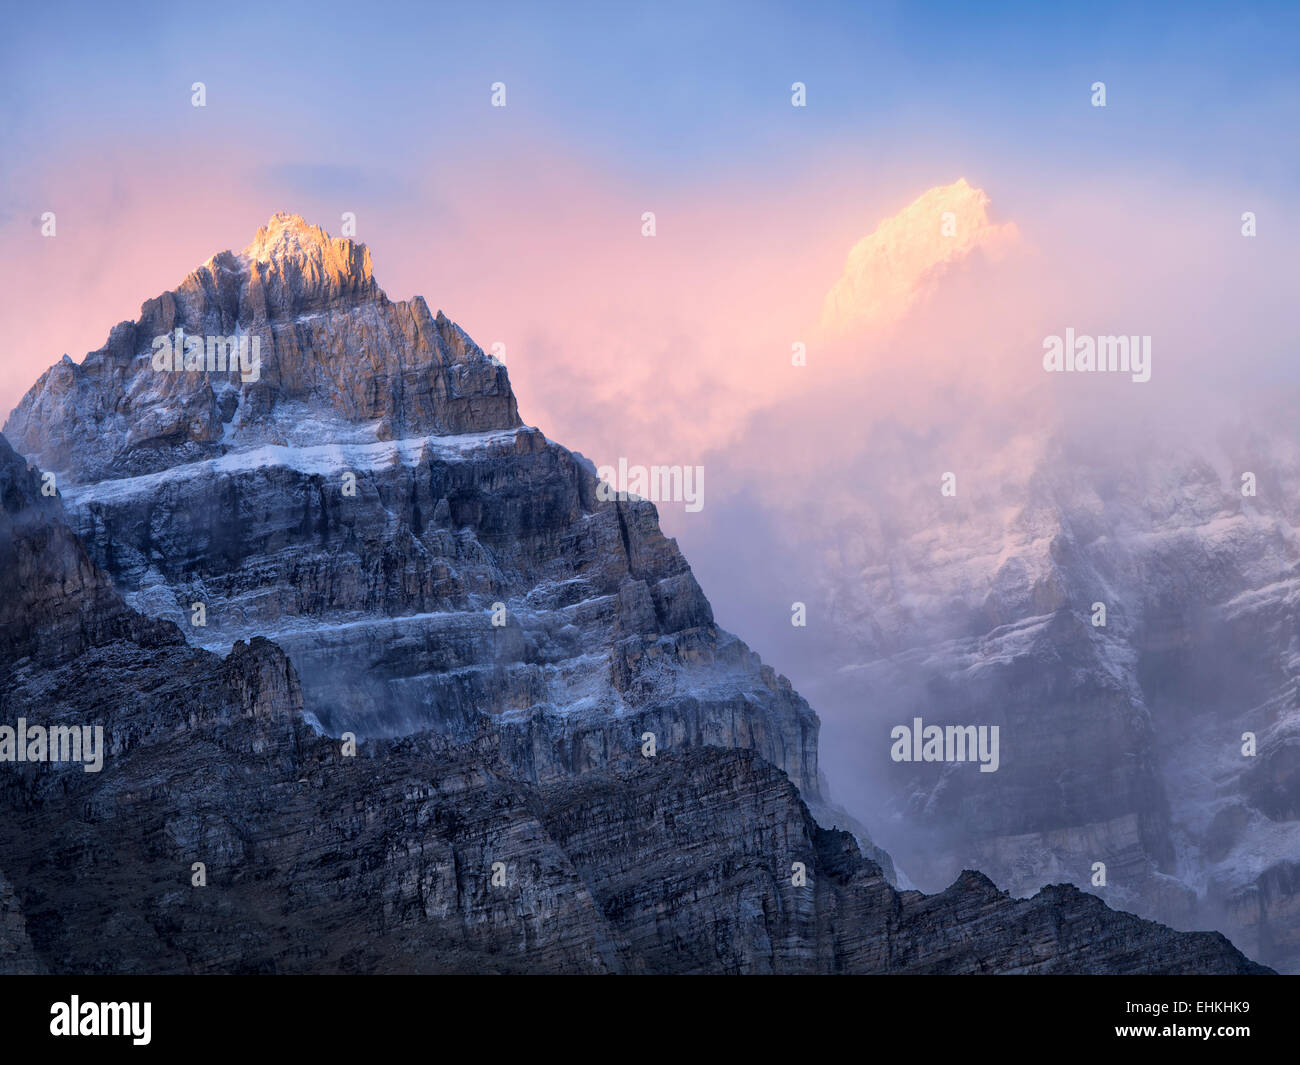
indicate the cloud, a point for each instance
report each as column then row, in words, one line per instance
column 890, row 269
column 292, row 182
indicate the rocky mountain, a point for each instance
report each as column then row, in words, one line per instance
column 373, row 504
column 428, row 854
column 351, row 532
column 1123, row 733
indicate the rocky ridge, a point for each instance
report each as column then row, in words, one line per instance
column 1121, row 742
column 368, row 502
column 383, row 862
column 352, row 519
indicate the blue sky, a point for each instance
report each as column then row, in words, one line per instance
column 684, row 93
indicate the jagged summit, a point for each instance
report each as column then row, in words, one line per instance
column 307, row 263
column 285, row 234
column 327, row 358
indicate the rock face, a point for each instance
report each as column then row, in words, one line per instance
column 368, row 501
column 353, row 533
column 431, row 854
column 337, row 362
column 1121, row 742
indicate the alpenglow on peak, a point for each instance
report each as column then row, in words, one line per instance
column 285, row 234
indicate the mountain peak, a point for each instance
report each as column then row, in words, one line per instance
column 287, row 236
column 330, row 359
column 292, row 267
